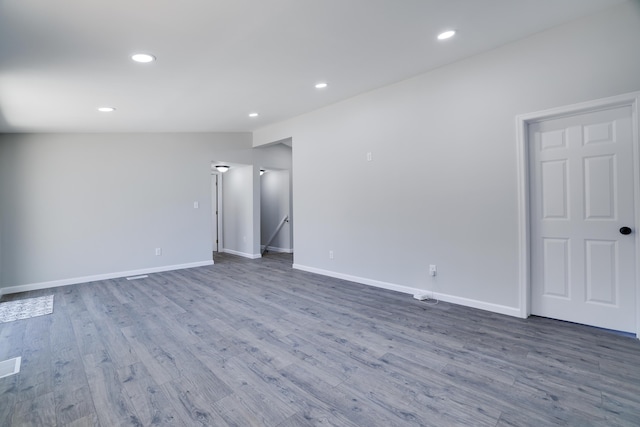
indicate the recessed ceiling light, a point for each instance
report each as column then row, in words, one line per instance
column 143, row 57
column 446, row 35
column 253, row 114
column 106, row 109
column 321, row 85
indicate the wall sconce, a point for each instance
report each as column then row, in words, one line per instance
column 222, row 168
column 262, row 171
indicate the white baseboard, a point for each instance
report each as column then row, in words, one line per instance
column 281, row 250
column 370, row 282
column 242, row 254
column 482, row 305
column 87, row 279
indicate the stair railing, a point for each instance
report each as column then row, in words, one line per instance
column 275, row 233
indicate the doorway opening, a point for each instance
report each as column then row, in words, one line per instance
column 276, row 214
column 275, row 211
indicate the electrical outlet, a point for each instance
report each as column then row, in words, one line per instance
column 369, row 156
column 330, row 254
column 158, row 251
column 432, row 270
column 196, row 205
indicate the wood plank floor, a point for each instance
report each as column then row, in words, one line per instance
column 255, row 343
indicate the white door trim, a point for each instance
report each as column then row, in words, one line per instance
column 522, row 123
column 217, row 193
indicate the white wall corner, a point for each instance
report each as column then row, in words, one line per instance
column 98, row 277
column 523, row 217
column 481, row 305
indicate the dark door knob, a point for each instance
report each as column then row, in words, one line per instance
column 625, row 230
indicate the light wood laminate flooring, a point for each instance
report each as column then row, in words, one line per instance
column 256, row 343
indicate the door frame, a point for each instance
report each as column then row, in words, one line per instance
column 216, row 201
column 632, row 100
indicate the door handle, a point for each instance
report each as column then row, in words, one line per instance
column 625, row 230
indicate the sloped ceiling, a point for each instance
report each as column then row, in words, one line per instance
column 219, row 60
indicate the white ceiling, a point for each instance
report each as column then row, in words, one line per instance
column 218, row 60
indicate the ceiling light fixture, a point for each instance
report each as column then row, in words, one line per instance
column 143, row 58
column 253, row 114
column 106, row 109
column 446, row 35
column 321, row 85
column 222, row 168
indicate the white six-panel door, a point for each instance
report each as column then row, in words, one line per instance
column 581, row 177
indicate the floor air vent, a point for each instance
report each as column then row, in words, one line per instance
column 143, row 276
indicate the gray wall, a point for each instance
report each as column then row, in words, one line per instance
column 75, row 206
column 441, row 186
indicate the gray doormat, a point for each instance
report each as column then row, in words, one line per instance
column 10, row 367
column 25, row 308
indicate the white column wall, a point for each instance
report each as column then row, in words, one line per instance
column 238, row 207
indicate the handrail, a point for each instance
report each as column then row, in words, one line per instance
column 273, row 236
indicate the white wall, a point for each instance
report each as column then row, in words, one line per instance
column 84, row 205
column 238, row 208
column 274, row 156
column 275, row 205
column 441, row 188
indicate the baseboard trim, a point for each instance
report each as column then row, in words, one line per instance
column 480, row 305
column 97, row 277
column 242, row 254
column 281, row 250
column 467, row 302
column 362, row 280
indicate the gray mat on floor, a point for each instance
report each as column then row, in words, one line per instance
column 25, row 308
